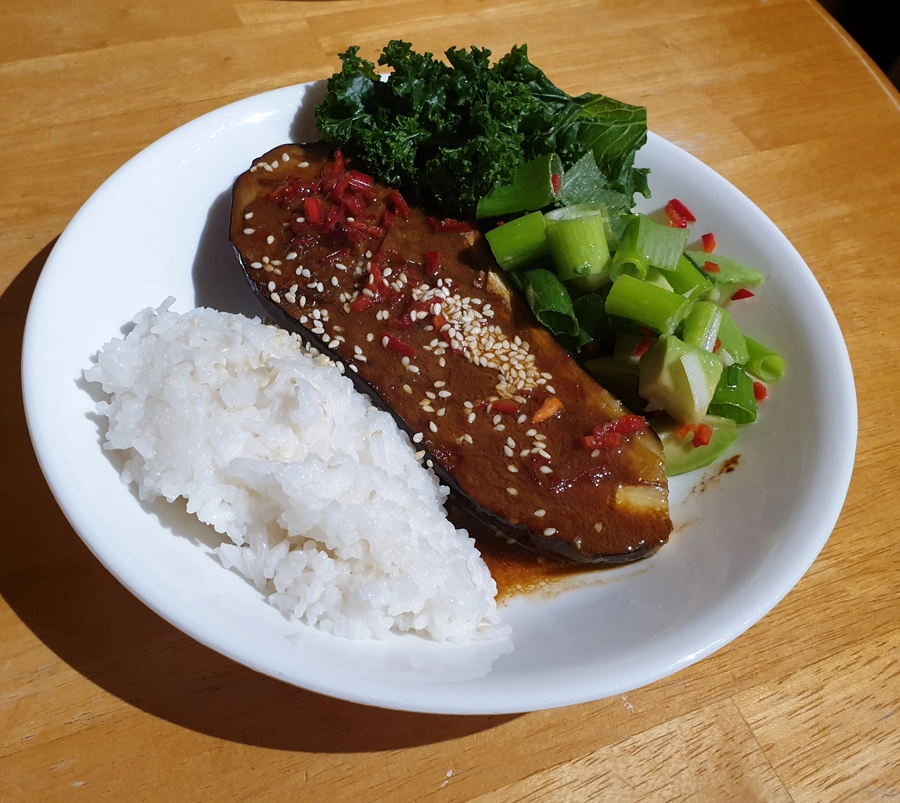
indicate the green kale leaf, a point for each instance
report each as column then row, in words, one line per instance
column 446, row 133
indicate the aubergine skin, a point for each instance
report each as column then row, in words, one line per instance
column 416, row 311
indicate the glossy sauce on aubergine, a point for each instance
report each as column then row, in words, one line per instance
column 415, row 310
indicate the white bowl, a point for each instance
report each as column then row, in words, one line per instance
column 159, row 227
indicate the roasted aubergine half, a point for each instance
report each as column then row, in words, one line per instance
column 417, row 311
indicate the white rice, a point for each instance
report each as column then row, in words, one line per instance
column 322, row 500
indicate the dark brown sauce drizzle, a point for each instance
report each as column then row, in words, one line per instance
column 515, row 569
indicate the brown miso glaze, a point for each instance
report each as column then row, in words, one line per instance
column 420, row 316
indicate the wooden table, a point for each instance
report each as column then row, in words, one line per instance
column 100, row 699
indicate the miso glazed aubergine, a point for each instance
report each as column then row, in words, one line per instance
column 414, row 308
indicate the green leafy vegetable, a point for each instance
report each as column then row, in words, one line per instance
column 448, row 133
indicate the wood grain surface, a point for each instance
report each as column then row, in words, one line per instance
column 102, row 700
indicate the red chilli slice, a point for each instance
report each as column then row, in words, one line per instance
column 679, row 215
column 760, row 391
column 742, row 293
column 702, row 435
column 432, row 262
column 400, row 207
column 504, row 406
column 448, row 224
column 313, row 209
column 360, row 303
column 609, row 435
column 396, row 344
column 643, row 344
column 709, row 242
column 555, row 183
column 711, row 267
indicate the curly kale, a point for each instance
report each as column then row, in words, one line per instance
column 446, row 133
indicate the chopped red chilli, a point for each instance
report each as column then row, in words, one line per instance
column 709, row 242
column 432, row 262
column 760, row 391
column 702, row 435
column 555, row 183
column 609, row 436
column 395, row 344
column 448, row 224
column 643, row 344
column 679, row 215
column 711, row 267
column 313, row 209
column 504, row 406
column 742, row 293
column 400, row 207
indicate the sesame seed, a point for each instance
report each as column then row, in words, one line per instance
column 256, row 264
column 285, row 157
column 496, row 419
column 499, row 428
column 531, row 433
column 414, row 369
column 442, row 411
column 540, row 437
column 521, row 419
column 440, row 383
column 445, row 394
column 270, row 239
column 511, row 443
column 545, row 470
column 432, row 426
column 512, row 491
column 248, row 216
column 598, row 526
column 524, row 453
column 471, row 418
column 407, row 389
column 249, row 231
column 468, row 405
column 508, row 452
column 512, row 469
column 540, row 512
column 595, row 453
column 550, row 531
column 417, row 438
column 291, row 255
column 271, row 286
column 276, row 298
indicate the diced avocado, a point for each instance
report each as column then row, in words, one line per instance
column 679, row 379
column 681, row 454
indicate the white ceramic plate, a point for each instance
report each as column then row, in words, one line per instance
column 158, row 227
